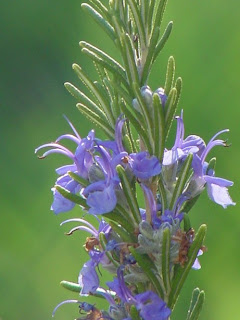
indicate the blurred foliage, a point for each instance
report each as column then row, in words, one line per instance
column 39, row 43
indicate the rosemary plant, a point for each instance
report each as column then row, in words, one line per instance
column 148, row 252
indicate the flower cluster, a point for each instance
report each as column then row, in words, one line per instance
column 148, row 249
column 96, row 162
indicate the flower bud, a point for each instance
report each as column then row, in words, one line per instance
column 162, row 95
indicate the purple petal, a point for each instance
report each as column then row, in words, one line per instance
column 151, row 201
column 196, row 141
column 72, row 127
column 102, row 201
column 118, row 133
column 118, row 285
column 151, row 306
column 64, row 169
column 94, row 231
column 219, row 181
column 162, row 95
column 219, row 195
column 212, row 143
column 69, row 137
column 88, row 278
column 60, row 204
column 172, row 156
column 196, row 265
column 144, row 166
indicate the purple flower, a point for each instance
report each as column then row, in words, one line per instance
column 182, row 147
column 143, row 165
column 162, row 95
column 88, row 278
column 153, row 207
column 147, row 95
column 119, row 287
column 61, row 204
column 82, row 162
column 151, row 307
column 216, row 187
column 149, row 304
column 82, row 305
column 100, row 195
column 196, row 265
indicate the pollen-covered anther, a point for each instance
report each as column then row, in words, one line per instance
column 41, row 157
column 226, row 144
column 125, row 159
column 90, row 243
column 185, row 240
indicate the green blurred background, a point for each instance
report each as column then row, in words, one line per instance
column 39, row 42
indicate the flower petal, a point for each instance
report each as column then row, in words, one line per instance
column 219, row 195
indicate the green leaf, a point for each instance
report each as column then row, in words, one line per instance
column 187, row 222
column 196, row 305
column 100, row 20
column 150, row 16
column 160, row 45
column 162, row 191
column 115, row 104
column 138, row 22
column 148, row 268
column 130, row 64
column 75, row 287
column 158, row 13
column 144, row 6
column 178, row 86
column 124, row 235
column 182, row 272
column 129, row 142
column 134, row 313
column 187, row 206
column 166, row 241
column 122, row 92
column 103, row 91
column 105, row 60
column 108, row 130
column 97, row 4
column 129, row 194
column 121, row 217
column 211, row 165
column 169, row 75
column 83, row 182
column 194, row 315
column 118, row 27
column 148, row 121
column 159, row 126
column 171, row 108
column 149, row 59
column 195, row 295
column 81, row 97
column 98, row 94
column 138, row 127
column 71, row 196
column 105, row 64
column 182, row 180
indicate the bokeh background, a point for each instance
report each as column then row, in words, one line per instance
column 39, row 42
